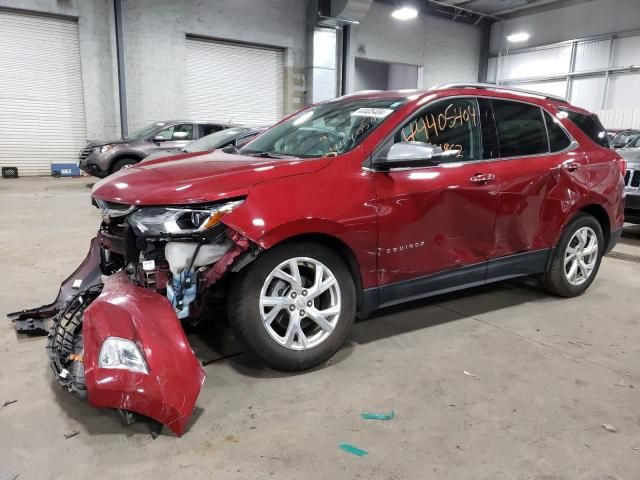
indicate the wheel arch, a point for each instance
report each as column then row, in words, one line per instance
column 338, row 246
column 601, row 215
column 128, row 154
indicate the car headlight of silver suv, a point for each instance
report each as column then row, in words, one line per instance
column 155, row 221
column 103, row 148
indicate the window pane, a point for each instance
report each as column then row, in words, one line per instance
column 451, row 125
column 521, row 129
column 183, row 131
column 591, row 126
column 558, row 140
column 206, row 129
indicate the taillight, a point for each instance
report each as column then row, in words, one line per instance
column 622, row 164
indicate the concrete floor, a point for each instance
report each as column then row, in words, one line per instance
column 547, row 374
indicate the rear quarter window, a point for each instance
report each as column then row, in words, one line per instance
column 590, row 126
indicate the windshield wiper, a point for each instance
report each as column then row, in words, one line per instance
column 269, row 155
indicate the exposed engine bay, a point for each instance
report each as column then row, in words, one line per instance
column 117, row 337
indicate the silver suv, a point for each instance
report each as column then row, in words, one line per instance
column 631, row 153
column 101, row 158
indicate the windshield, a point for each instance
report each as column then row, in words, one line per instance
column 143, row 132
column 326, row 130
column 215, row 140
column 624, row 139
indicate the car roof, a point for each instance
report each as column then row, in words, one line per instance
column 477, row 89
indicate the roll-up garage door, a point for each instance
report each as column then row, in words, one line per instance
column 41, row 99
column 236, row 83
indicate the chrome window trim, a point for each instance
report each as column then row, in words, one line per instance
column 368, row 163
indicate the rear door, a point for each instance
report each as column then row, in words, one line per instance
column 538, row 166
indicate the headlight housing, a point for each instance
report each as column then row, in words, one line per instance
column 123, row 354
column 155, row 221
column 103, row 148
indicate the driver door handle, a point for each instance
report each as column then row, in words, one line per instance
column 571, row 166
column 483, row 178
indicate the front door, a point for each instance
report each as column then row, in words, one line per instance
column 173, row 138
column 439, row 218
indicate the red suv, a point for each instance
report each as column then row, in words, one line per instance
column 345, row 207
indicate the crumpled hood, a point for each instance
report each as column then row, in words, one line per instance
column 203, row 178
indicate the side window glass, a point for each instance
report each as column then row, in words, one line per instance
column 208, row 129
column 521, row 129
column 450, row 124
column 558, row 139
column 242, row 141
column 591, row 126
column 183, row 131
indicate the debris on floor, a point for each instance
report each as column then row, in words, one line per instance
column 609, row 428
column 8, row 402
column 72, row 434
column 470, row 374
column 378, row 416
column 354, row 450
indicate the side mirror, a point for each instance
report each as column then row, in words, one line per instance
column 230, row 149
column 413, row 154
column 159, row 139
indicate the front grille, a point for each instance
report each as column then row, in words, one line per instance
column 632, row 179
column 84, row 153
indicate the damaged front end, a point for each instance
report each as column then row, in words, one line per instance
column 117, row 337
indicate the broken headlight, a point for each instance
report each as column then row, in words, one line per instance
column 154, row 221
column 121, row 353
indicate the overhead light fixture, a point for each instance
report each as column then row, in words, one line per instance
column 405, row 13
column 518, row 37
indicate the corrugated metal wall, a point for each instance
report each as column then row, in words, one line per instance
column 41, row 99
column 616, row 96
column 236, row 83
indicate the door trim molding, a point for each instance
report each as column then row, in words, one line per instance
column 496, row 270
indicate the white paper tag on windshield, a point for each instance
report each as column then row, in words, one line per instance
column 372, row 112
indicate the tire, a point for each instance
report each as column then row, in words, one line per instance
column 256, row 288
column 557, row 278
column 123, row 163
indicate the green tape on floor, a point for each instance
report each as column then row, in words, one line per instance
column 351, row 449
column 378, row 416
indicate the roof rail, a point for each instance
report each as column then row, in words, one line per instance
column 493, row 86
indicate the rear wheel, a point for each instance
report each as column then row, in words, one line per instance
column 123, row 163
column 577, row 257
column 294, row 306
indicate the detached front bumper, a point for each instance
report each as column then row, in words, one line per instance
column 169, row 391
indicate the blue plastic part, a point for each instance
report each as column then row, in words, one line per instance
column 354, row 450
column 185, row 283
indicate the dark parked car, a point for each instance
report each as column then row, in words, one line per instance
column 351, row 205
column 101, row 158
column 234, row 137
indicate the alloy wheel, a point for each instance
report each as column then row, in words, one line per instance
column 581, row 256
column 300, row 303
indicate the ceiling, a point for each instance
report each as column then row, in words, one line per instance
column 475, row 10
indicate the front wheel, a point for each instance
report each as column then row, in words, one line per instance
column 294, row 306
column 577, row 257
